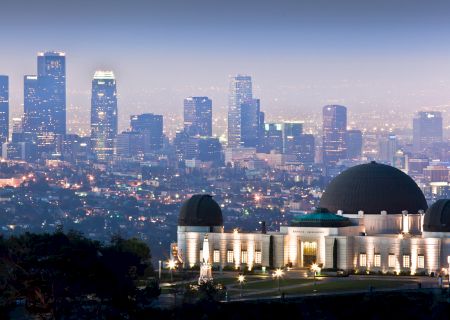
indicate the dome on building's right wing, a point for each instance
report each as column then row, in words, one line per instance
column 437, row 217
column 200, row 210
column 373, row 188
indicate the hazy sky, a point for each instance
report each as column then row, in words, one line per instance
column 302, row 54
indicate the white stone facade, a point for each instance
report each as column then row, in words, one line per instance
column 384, row 242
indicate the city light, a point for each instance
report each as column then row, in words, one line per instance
column 241, row 279
column 315, row 268
column 278, row 274
column 245, row 145
column 171, row 264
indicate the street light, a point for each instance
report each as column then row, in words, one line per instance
column 316, row 269
column 241, row 279
column 171, row 264
column 278, row 274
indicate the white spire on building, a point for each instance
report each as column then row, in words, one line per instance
column 205, row 267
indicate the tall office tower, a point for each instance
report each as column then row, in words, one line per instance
column 151, row 125
column 103, row 114
column 198, row 116
column 180, row 143
column 262, row 129
column 51, row 72
column 33, row 121
column 273, row 137
column 130, row 144
column 292, row 132
column 240, row 92
column 307, row 149
column 427, row 130
column 387, row 149
column 334, row 134
column 4, row 109
column 354, row 144
column 250, row 124
column 75, row 149
column 210, row 150
column 17, row 125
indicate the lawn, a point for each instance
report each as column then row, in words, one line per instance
column 349, row 285
column 273, row 284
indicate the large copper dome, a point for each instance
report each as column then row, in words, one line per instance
column 373, row 188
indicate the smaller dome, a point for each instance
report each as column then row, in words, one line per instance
column 201, row 211
column 437, row 217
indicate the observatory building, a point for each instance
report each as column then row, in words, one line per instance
column 371, row 217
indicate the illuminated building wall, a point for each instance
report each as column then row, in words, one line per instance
column 103, row 114
column 4, row 109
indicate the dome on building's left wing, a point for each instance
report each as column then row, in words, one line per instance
column 437, row 217
column 200, row 210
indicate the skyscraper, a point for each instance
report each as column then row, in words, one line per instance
column 51, row 73
column 334, row 134
column 273, row 137
column 307, row 149
column 354, row 144
column 103, row 114
column 198, row 116
column 33, row 119
column 4, row 109
column 387, row 148
column 151, row 126
column 292, row 132
column 427, row 130
column 250, row 124
column 240, row 92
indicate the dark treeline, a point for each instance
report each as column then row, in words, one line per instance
column 69, row 276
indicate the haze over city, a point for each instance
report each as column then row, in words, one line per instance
column 382, row 55
column 191, row 159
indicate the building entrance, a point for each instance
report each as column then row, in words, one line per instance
column 309, row 253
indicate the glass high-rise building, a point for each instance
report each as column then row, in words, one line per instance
column 354, row 144
column 198, row 116
column 427, row 130
column 273, row 137
column 292, row 132
column 387, row 147
column 51, row 73
column 250, row 124
column 151, row 126
column 33, row 121
column 103, row 114
column 4, row 109
column 240, row 92
column 334, row 134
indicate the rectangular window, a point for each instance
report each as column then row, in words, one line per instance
column 421, row 261
column 216, row 256
column 377, row 260
column 230, row 256
column 258, row 257
column 406, row 261
column 244, row 257
column 362, row 260
column 391, row 261
column 201, row 255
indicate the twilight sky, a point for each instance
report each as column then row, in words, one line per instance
column 302, row 54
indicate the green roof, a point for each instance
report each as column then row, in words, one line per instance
column 320, row 219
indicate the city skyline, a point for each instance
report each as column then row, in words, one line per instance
column 303, row 58
column 162, row 158
column 77, row 115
